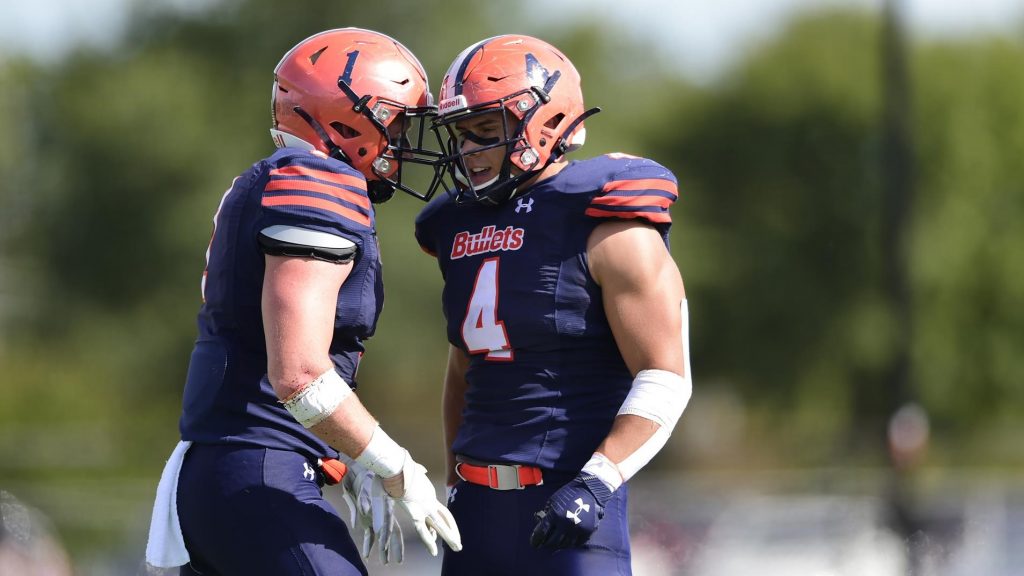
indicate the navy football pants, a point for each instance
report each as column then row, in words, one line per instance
column 255, row 511
column 496, row 526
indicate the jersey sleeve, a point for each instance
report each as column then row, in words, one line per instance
column 318, row 194
column 638, row 188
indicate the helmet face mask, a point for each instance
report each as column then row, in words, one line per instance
column 537, row 91
column 455, row 164
column 405, row 132
column 360, row 97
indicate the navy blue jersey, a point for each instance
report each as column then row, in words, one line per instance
column 545, row 375
column 228, row 398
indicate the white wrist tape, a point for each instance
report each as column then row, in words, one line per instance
column 318, row 400
column 604, row 470
column 383, row 455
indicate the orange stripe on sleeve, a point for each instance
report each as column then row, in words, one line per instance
column 341, row 179
column 643, row 184
column 639, row 201
column 357, row 199
column 310, row 202
column 656, row 217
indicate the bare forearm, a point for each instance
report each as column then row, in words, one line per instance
column 629, row 432
column 349, row 428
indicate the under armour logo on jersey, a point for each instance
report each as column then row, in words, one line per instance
column 451, row 494
column 581, row 507
column 307, row 471
column 524, row 204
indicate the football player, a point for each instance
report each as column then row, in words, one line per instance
column 291, row 290
column 566, row 317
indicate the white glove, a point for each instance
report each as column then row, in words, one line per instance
column 372, row 510
column 416, row 495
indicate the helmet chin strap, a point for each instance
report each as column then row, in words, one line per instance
column 379, row 191
column 564, row 145
column 466, row 181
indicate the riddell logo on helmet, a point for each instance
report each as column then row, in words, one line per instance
column 451, row 104
column 487, row 240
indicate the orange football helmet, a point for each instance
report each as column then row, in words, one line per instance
column 524, row 78
column 341, row 91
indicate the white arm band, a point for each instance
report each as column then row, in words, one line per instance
column 659, row 396
column 307, row 237
column 383, row 455
column 318, row 400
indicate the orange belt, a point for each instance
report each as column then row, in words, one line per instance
column 500, row 476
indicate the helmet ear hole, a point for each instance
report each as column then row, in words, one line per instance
column 554, row 121
column 345, row 130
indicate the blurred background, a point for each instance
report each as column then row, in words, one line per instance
column 850, row 177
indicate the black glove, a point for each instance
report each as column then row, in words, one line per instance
column 572, row 513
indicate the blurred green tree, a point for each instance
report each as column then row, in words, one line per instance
column 782, row 239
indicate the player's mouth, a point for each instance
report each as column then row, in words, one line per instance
column 480, row 175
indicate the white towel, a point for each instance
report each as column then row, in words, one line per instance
column 166, row 546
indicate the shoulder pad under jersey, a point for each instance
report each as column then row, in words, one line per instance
column 633, row 187
column 318, row 193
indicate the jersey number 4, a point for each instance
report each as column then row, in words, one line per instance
column 481, row 330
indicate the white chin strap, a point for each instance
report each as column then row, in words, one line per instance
column 466, row 181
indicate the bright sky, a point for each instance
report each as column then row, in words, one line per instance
column 703, row 35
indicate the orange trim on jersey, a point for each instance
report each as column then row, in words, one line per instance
column 643, row 184
column 656, row 217
column 638, row 201
column 322, row 204
column 308, row 186
column 340, row 179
